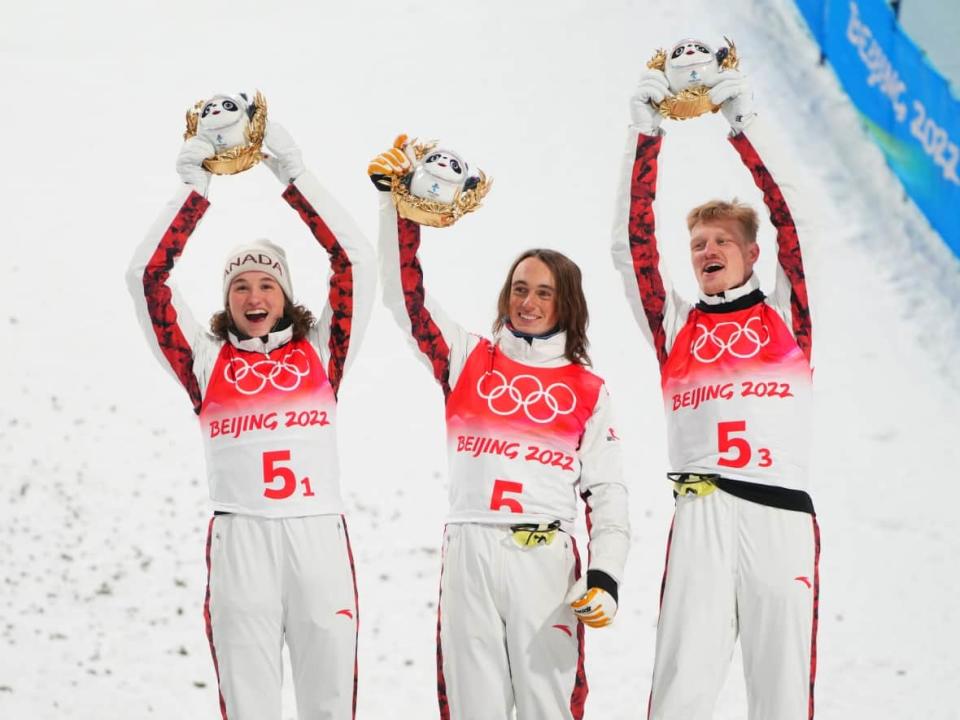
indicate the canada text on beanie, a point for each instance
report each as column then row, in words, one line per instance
column 258, row 256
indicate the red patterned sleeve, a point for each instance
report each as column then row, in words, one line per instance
column 788, row 244
column 340, row 296
column 158, row 295
column 425, row 330
column 643, row 240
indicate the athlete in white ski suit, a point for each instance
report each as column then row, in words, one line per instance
column 278, row 555
column 743, row 552
column 525, row 428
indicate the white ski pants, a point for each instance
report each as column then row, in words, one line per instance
column 505, row 635
column 737, row 567
column 271, row 580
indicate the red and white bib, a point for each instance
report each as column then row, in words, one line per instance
column 268, row 431
column 737, row 394
column 513, row 434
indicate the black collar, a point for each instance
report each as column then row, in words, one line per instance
column 741, row 303
column 530, row 338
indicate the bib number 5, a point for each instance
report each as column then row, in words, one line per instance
column 498, row 499
column 281, row 477
column 736, row 452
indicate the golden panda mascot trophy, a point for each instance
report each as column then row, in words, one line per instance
column 234, row 126
column 436, row 189
column 692, row 68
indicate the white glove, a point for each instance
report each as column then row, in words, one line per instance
column 287, row 160
column 735, row 97
column 592, row 606
column 190, row 163
column 653, row 87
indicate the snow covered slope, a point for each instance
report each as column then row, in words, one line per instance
column 102, row 504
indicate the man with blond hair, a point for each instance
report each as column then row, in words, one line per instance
column 743, row 551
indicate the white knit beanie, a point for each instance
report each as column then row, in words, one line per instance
column 260, row 256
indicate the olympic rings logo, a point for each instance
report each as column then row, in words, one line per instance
column 741, row 341
column 284, row 374
column 526, row 392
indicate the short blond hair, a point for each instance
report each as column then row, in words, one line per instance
column 723, row 210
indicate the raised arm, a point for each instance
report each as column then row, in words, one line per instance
column 760, row 153
column 442, row 343
column 352, row 266
column 167, row 330
column 790, row 292
column 658, row 310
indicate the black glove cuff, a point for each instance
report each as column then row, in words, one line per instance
column 380, row 181
column 599, row 579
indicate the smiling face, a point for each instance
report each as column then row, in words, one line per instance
column 220, row 112
column 446, row 166
column 691, row 62
column 533, row 297
column 721, row 255
column 256, row 302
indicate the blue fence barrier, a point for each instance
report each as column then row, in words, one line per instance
column 906, row 104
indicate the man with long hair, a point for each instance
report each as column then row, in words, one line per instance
column 743, row 552
column 528, row 428
column 264, row 383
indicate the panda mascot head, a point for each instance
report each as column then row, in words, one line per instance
column 440, row 177
column 691, row 62
column 224, row 120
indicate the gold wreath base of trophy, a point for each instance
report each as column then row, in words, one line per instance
column 693, row 101
column 241, row 157
column 688, row 103
column 430, row 212
column 433, row 213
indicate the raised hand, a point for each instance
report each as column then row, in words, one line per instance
column 190, row 163
column 286, row 162
column 735, row 97
column 652, row 88
column 390, row 163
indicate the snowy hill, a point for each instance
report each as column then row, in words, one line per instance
column 102, row 507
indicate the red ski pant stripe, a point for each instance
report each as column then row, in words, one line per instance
column 578, row 698
column 209, row 624
column 441, row 681
column 356, row 605
column 663, row 584
column 816, row 610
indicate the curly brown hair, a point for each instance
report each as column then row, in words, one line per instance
column 572, row 315
column 302, row 320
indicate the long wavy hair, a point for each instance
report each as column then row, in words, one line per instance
column 572, row 315
column 302, row 320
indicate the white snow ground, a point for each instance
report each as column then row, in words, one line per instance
column 102, row 506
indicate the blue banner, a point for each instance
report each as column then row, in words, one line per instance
column 907, row 105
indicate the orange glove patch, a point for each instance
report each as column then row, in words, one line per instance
column 595, row 608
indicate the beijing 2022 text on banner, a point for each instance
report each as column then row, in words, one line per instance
column 906, row 103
